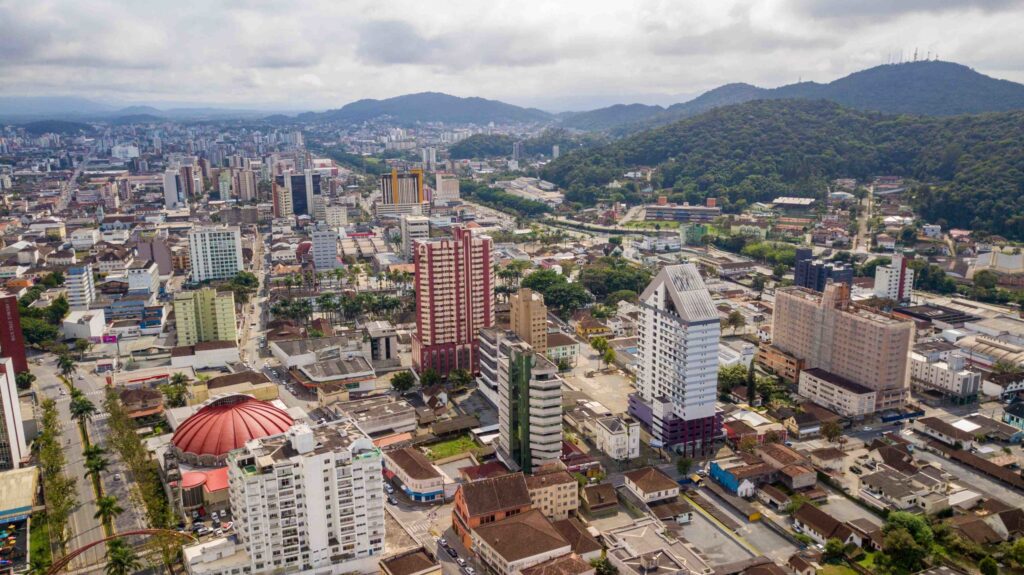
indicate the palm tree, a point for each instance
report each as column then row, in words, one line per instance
column 326, row 304
column 121, row 559
column 96, row 465
column 67, row 365
column 25, row 379
column 82, row 409
column 107, row 508
column 93, row 451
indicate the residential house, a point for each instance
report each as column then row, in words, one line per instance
column 487, row 501
column 600, row 498
column 650, row 484
column 821, row 526
column 514, row 543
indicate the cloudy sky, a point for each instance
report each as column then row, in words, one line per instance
column 317, row 54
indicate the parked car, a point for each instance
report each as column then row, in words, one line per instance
column 117, row 477
column 469, row 570
column 461, row 562
column 452, row 552
column 443, row 542
column 392, row 501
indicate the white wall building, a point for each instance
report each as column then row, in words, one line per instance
column 945, row 372
column 677, row 361
column 894, row 281
column 215, row 252
column 81, row 289
column 413, row 228
column 305, row 502
column 174, row 189
column 13, row 447
column 84, row 238
column 82, row 324
column 446, row 189
column 143, row 277
column 325, row 247
column 336, row 216
column 618, row 437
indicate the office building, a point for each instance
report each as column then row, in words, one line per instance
column 837, row 393
column 814, row 274
column 13, row 447
column 246, row 185
column 677, row 361
column 12, row 340
column 413, row 228
column 529, row 407
column 175, row 189
column 307, row 501
column 429, row 157
column 446, row 188
column 685, row 213
column 81, row 287
column 830, row 332
column 402, row 194
column 941, row 368
column 555, row 152
column 894, row 281
column 205, row 315
column 215, row 252
column 517, row 150
column 530, row 319
column 325, row 247
column 294, row 194
column 454, row 282
column 143, row 277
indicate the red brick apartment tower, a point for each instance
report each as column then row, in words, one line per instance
column 12, row 342
column 454, row 300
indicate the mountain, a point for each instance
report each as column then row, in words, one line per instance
column 973, row 165
column 930, row 88
column 611, row 117
column 139, row 110
column 54, row 106
column 431, row 107
column 40, row 127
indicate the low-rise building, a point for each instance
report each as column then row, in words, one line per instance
column 944, row 371
column 515, row 543
column 650, row 484
column 416, row 561
column 836, row 393
column 554, row 493
column 618, row 437
column 562, row 347
column 417, row 476
column 205, row 354
column 487, row 501
column 821, row 526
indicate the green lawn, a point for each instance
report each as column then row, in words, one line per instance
column 39, row 539
column 454, row 446
column 868, row 562
column 837, row 570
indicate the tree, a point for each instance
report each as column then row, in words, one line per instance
column 796, row 501
column 566, row 298
column 82, row 409
column 730, row 377
column 24, row 380
column 429, row 378
column 988, row 566
column 735, row 320
column 757, row 284
column 779, row 270
column 107, row 508
column 834, row 549
column 460, row 378
column 751, row 383
column 621, row 295
column 908, row 235
column 176, row 390
column 95, row 465
column 985, row 279
column 599, row 344
column 603, row 566
column 402, row 381
column 831, row 430
column 121, row 558
column 748, row 444
column 37, row 331
column 608, row 357
column 772, row 437
column 902, row 552
column 82, row 346
column 683, row 465
column 66, row 365
column 916, row 525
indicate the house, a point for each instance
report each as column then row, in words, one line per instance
column 945, row 432
column 583, row 543
column 741, row 475
column 587, row 327
column 416, row 475
column 571, row 564
column 773, row 497
column 487, row 501
column 1013, row 415
column 514, row 543
column 416, row 561
column 828, row 459
column 555, row 493
column 820, row 526
column 142, row 402
column 618, row 437
column 651, row 484
column 599, row 498
column 561, row 348
column 891, row 488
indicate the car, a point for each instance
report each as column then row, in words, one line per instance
column 461, row 562
column 469, row 570
column 856, row 470
column 218, row 532
column 62, row 392
column 117, row 477
column 204, row 530
column 789, row 444
column 392, row 500
column 388, row 488
column 227, row 526
column 443, row 542
column 452, row 552
column 868, row 428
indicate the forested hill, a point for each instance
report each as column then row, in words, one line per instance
column 500, row 145
column 928, row 88
column 766, row 148
column 431, row 107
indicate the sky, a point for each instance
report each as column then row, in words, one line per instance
column 321, row 54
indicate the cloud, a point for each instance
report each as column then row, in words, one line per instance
column 856, row 9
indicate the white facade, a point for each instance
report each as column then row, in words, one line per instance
column 325, row 248
column 528, row 380
column 13, row 447
column 677, row 349
column 617, row 437
column 894, row 281
column 309, row 501
column 82, row 324
column 174, row 191
column 85, row 238
column 144, row 278
column 948, row 374
column 336, row 216
column 446, row 189
column 215, row 253
column 81, row 289
column 413, row 228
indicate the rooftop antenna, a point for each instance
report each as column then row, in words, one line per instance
column 915, row 54
column 928, row 56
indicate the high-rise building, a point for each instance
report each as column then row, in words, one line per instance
column 175, row 190
column 205, row 315
column 294, row 194
column 894, row 281
column 12, row 340
column 215, row 252
column 336, row 216
column 454, row 300
column 555, row 152
column 446, row 189
column 81, row 290
column 306, row 502
column 529, row 407
column 246, row 185
column 13, row 447
column 429, row 158
column 530, row 319
column 402, row 193
column 814, row 274
column 677, row 361
column 860, row 344
column 413, row 228
column 517, row 150
column 325, row 247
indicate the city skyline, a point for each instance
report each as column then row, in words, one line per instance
column 600, row 55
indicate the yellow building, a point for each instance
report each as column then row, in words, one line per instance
column 530, row 319
column 205, row 315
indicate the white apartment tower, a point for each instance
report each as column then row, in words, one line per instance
column 446, row 189
column 13, row 447
column 81, row 289
column 894, row 281
column 308, row 501
column 174, row 189
column 215, row 252
column 529, row 406
column 413, row 228
column 336, row 216
column 325, row 247
column 677, row 361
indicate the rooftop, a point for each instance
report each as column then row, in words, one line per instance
column 651, row 479
column 521, row 536
column 413, row 462
column 486, row 496
column 411, row 562
column 838, row 381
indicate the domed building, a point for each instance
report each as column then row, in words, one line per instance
column 223, row 424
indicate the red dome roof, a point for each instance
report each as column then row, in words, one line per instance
column 220, row 427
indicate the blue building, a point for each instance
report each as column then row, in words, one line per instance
column 814, row 274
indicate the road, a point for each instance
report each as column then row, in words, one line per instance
column 253, row 310
column 861, row 244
